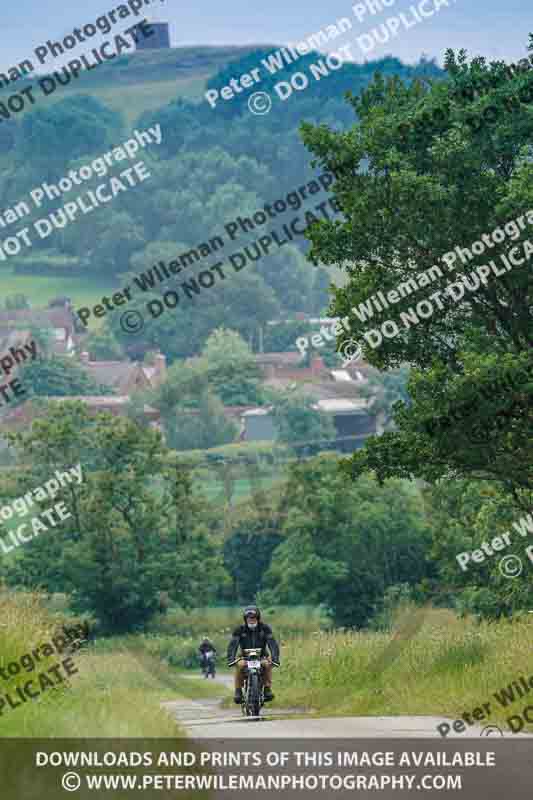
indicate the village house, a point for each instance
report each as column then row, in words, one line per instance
column 125, row 377
column 336, row 393
column 59, row 319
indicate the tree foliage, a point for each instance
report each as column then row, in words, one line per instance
column 463, row 515
column 210, row 168
column 297, row 420
column 191, row 412
column 231, row 369
column 345, row 543
column 16, row 301
column 409, row 195
column 249, row 546
column 58, row 376
column 136, row 529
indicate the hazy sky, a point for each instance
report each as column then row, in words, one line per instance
column 493, row 28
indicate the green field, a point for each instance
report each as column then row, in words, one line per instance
column 243, row 488
column 143, row 81
column 132, row 101
column 217, row 623
column 39, row 289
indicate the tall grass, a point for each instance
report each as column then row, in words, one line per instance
column 449, row 666
column 113, row 693
column 218, row 623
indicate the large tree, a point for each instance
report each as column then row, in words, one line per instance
column 135, row 529
column 249, row 542
column 434, row 166
column 191, row 412
column 297, row 420
column 467, row 516
column 346, row 543
column 231, row 368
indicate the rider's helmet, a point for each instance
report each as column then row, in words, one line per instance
column 251, row 611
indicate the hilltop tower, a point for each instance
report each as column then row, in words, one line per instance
column 159, row 40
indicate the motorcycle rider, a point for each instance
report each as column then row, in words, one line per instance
column 205, row 647
column 253, row 634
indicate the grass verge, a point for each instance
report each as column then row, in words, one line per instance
column 112, row 694
column 445, row 668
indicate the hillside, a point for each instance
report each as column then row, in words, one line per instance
column 207, row 168
column 145, row 81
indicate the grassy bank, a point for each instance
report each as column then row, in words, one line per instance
column 218, row 623
column 114, row 693
column 433, row 663
column 447, row 667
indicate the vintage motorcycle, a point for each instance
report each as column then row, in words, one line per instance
column 208, row 664
column 253, row 692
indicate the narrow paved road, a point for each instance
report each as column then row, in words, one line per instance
column 207, row 719
column 224, row 737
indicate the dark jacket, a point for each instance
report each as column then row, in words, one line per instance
column 244, row 637
column 205, row 647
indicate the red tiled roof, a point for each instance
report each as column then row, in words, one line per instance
column 116, row 374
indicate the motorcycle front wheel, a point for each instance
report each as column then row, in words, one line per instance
column 254, row 700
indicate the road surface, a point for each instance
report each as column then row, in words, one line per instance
column 221, row 738
column 207, row 719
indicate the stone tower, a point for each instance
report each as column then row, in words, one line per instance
column 159, row 40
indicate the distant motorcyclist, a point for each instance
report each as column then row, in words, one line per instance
column 253, row 634
column 206, row 647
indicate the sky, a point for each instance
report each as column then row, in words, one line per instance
column 493, row 28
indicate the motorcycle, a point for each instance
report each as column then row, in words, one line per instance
column 253, row 691
column 208, row 665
